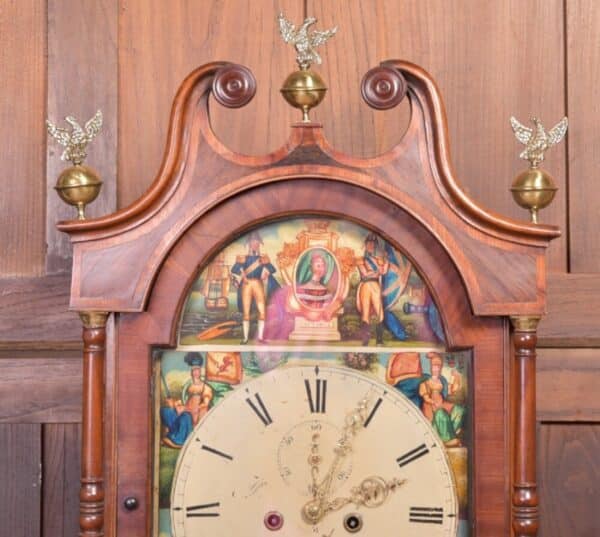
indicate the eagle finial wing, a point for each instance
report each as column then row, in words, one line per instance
column 62, row 136
column 287, row 29
column 318, row 37
column 557, row 133
column 93, row 126
column 522, row 133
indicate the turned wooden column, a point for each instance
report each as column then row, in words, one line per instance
column 91, row 494
column 525, row 516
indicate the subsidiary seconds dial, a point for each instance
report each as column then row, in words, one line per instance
column 305, row 451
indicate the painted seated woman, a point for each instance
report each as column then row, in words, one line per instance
column 177, row 421
column 182, row 415
column 446, row 417
column 196, row 394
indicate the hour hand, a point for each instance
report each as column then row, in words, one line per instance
column 371, row 492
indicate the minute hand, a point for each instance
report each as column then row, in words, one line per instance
column 313, row 511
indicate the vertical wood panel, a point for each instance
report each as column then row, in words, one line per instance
column 61, row 480
column 491, row 60
column 563, row 377
column 583, row 63
column 82, row 77
column 568, row 471
column 362, row 41
column 20, row 468
column 53, row 384
column 22, row 104
column 160, row 43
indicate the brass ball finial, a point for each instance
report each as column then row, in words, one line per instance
column 535, row 188
column 78, row 185
column 304, row 89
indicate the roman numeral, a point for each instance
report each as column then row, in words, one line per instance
column 318, row 403
column 260, row 409
column 426, row 515
column 412, row 455
column 194, row 511
column 372, row 413
column 216, row 452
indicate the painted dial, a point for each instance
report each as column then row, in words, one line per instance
column 248, row 469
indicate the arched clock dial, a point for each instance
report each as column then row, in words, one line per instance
column 313, row 451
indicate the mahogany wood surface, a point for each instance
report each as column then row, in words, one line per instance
column 22, row 104
column 484, row 55
column 183, row 36
column 568, row 474
column 573, row 306
column 82, row 78
column 137, row 332
column 20, row 495
column 35, row 389
column 91, row 494
column 60, row 480
column 205, row 194
column 525, row 515
column 39, row 317
column 563, row 385
column 582, row 17
column 198, row 173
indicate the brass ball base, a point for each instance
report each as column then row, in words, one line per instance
column 533, row 189
column 78, row 186
column 304, row 89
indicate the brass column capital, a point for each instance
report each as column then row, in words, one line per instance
column 525, row 323
column 93, row 319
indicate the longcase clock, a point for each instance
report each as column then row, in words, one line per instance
column 305, row 342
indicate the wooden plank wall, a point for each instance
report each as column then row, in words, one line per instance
column 491, row 60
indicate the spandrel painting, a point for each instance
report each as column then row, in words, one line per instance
column 310, row 281
column 310, row 291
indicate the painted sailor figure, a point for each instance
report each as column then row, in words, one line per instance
column 253, row 274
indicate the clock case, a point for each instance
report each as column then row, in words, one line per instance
column 133, row 269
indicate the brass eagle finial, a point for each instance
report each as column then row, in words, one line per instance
column 304, row 42
column 75, row 140
column 536, row 140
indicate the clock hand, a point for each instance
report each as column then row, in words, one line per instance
column 314, row 459
column 312, row 511
column 371, row 492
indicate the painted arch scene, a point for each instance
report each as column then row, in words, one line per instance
column 310, row 281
